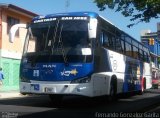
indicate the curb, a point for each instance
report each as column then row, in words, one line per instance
column 5, row 95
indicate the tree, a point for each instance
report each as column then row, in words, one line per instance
column 137, row 10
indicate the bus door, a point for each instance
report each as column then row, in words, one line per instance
column 132, row 75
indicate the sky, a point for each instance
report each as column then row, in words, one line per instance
column 43, row 7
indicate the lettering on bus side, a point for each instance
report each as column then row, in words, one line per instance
column 115, row 64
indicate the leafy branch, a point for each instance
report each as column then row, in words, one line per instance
column 137, row 10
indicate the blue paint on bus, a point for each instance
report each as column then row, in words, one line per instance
column 57, row 71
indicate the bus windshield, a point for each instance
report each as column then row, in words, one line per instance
column 57, row 37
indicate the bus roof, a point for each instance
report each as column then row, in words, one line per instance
column 73, row 14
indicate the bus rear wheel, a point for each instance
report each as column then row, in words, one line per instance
column 143, row 86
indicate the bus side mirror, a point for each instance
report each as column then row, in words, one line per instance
column 13, row 30
column 92, row 28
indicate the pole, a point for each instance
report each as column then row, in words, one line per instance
column 67, row 4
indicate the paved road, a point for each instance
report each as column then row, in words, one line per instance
column 78, row 107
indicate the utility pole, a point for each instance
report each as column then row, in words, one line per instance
column 67, row 4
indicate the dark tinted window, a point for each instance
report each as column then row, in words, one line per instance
column 128, row 49
column 135, row 52
column 10, row 22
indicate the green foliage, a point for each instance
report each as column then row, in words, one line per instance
column 137, row 10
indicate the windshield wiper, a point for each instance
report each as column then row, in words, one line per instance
column 46, row 41
column 62, row 47
column 54, row 36
column 59, row 42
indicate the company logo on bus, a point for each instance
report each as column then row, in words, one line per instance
column 69, row 72
column 49, row 66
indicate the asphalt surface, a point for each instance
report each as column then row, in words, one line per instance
column 40, row 106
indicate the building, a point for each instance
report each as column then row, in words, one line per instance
column 152, row 40
column 10, row 53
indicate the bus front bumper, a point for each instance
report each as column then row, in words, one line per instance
column 84, row 89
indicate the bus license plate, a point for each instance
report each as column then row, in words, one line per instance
column 49, row 90
column 35, row 87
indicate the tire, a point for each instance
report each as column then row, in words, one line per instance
column 143, row 87
column 56, row 99
column 144, row 84
column 113, row 90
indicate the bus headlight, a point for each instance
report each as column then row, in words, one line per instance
column 81, row 80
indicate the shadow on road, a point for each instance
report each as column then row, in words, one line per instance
column 67, row 102
column 76, row 106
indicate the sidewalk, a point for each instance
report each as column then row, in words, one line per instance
column 10, row 94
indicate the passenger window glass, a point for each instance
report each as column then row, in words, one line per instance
column 128, row 49
column 135, row 52
column 106, row 40
column 141, row 55
column 118, row 45
column 122, row 44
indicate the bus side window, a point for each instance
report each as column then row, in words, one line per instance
column 146, row 57
column 141, row 54
column 106, row 41
column 123, row 47
column 135, row 52
column 118, row 45
column 128, row 49
column 149, row 57
column 101, row 38
column 112, row 42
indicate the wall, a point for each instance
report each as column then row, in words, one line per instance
column 11, row 74
column 16, row 47
column 10, row 53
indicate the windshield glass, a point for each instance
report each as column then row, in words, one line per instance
column 58, row 36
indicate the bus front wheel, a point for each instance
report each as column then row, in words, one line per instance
column 113, row 89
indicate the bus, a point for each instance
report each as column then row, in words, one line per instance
column 81, row 53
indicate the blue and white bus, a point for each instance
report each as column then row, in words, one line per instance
column 81, row 53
